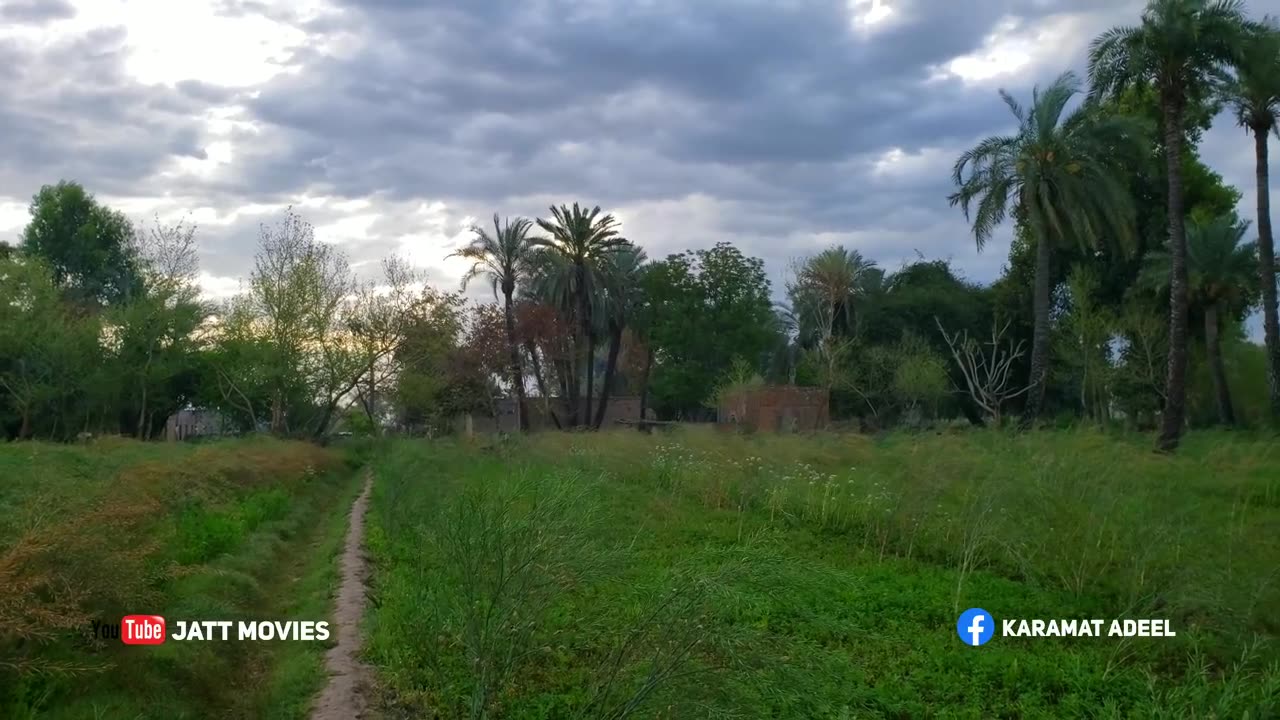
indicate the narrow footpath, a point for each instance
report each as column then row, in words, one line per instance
column 344, row 697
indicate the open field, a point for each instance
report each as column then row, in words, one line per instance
column 231, row 530
column 706, row 575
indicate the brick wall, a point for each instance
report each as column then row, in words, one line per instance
column 775, row 408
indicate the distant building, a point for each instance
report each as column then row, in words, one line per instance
column 774, row 408
column 194, row 423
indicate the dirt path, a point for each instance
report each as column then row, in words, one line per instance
column 343, row 698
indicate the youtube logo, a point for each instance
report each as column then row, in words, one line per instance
column 142, row 630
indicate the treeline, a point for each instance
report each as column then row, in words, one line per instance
column 103, row 330
column 1113, row 193
column 1123, row 299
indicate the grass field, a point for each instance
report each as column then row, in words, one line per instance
column 696, row 575
column 232, row 530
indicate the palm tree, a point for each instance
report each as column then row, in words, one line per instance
column 577, row 251
column 1255, row 93
column 622, row 297
column 1058, row 175
column 503, row 259
column 1221, row 272
column 825, row 291
column 1183, row 49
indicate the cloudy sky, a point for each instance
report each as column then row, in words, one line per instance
column 782, row 125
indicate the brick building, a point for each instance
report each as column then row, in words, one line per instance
column 774, row 408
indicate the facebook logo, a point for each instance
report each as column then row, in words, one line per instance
column 975, row 626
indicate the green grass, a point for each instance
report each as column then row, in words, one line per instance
column 706, row 575
column 226, row 531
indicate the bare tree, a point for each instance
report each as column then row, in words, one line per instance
column 157, row 325
column 302, row 291
column 986, row 367
column 378, row 324
column 169, row 252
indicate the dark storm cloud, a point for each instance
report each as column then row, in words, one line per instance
column 762, row 120
column 35, row 12
column 475, row 102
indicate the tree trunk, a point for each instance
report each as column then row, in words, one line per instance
column 1213, row 342
column 371, row 400
column 644, row 388
column 615, row 345
column 542, row 385
column 1040, row 335
column 1267, row 274
column 277, row 413
column 24, row 431
column 325, row 419
column 142, row 415
column 517, row 375
column 591, row 375
column 564, row 371
column 582, row 321
column 1175, row 407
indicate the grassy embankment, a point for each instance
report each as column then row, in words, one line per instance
column 700, row 575
column 224, row 531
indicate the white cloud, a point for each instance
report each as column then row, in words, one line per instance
column 218, row 288
column 174, row 40
column 1016, row 48
column 13, row 217
column 868, row 16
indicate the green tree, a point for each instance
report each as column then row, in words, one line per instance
column 579, row 247
column 85, row 244
column 155, row 330
column 300, row 293
column 428, row 392
column 705, row 309
column 503, row 259
column 1085, row 335
column 1182, row 48
column 32, row 321
column 1255, row 95
column 1058, row 174
column 824, row 295
column 1221, row 277
column 622, row 300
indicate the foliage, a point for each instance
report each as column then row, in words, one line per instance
column 1058, row 171
column 85, row 244
column 569, row 273
column 1084, row 342
column 705, row 308
column 1059, row 176
column 1220, row 265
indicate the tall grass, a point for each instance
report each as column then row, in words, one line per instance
column 1079, row 510
column 91, row 533
column 820, row 576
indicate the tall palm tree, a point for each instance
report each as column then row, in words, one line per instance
column 1255, row 93
column 1221, row 273
column 1058, row 175
column 622, row 297
column 503, row 258
column 824, row 294
column 580, row 244
column 1182, row 48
